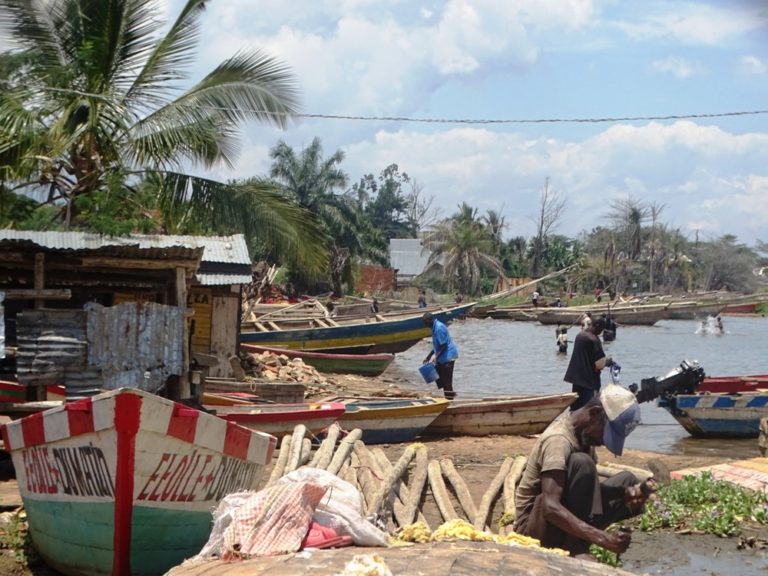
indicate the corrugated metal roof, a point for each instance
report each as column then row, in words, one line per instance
column 405, row 255
column 224, row 249
column 223, row 279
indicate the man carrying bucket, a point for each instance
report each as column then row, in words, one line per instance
column 445, row 353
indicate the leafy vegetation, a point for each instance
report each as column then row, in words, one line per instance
column 704, row 504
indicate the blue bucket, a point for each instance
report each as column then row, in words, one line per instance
column 428, row 372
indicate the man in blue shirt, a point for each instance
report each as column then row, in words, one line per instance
column 445, row 353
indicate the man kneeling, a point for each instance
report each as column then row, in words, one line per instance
column 560, row 499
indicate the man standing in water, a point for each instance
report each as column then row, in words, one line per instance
column 587, row 360
column 445, row 353
column 560, row 499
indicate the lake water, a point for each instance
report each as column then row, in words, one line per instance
column 498, row 357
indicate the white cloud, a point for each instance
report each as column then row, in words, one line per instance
column 678, row 67
column 754, row 65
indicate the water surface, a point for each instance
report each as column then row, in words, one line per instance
column 500, row 357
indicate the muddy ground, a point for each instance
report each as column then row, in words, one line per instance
column 478, row 460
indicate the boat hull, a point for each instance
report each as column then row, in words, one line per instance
column 641, row 317
column 388, row 421
column 333, row 363
column 506, row 416
column 281, row 419
column 390, row 336
column 123, row 483
column 718, row 415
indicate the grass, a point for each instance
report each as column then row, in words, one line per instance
column 14, row 536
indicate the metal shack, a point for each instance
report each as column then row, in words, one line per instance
column 92, row 312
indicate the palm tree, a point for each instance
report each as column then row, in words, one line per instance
column 98, row 113
column 462, row 246
column 313, row 181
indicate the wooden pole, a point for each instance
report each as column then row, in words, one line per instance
column 460, row 487
column 490, row 495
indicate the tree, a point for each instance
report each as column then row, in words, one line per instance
column 725, row 264
column 461, row 246
column 384, row 203
column 313, row 181
column 550, row 211
column 99, row 112
column 419, row 211
column 627, row 216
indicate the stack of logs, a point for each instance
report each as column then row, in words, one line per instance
column 385, row 490
column 279, row 368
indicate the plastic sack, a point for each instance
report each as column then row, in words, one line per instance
column 341, row 508
column 222, row 518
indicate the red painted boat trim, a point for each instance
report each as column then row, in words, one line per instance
column 236, row 441
column 233, row 414
column 127, row 419
column 33, row 429
column 183, row 423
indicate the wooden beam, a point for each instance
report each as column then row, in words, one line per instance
column 39, row 278
column 96, row 261
column 35, row 294
column 181, row 301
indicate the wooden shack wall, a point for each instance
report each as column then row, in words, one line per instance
column 216, row 324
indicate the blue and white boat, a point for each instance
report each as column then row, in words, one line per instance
column 720, row 415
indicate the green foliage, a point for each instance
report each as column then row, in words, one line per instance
column 14, row 536
column 706, row 505
column 384, row 202
column 605, row 556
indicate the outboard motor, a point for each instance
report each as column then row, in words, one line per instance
column 682, row 380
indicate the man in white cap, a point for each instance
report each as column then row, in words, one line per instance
column 560, row 499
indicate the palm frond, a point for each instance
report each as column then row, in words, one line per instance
column 256, row 208
column 31, row 23
column 168, row 58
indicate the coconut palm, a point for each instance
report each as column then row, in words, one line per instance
column 99, row 112
column 462, row 247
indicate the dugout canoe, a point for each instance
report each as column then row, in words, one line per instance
column 513, row 415
column 389, row 420
column 280, row 419
column 646, row 316
column 328, row 362
column 377, row 334
column 123, row 483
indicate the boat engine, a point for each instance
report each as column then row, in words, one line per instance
column 682, row 380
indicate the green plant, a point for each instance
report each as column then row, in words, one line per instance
column 14, row 536
column 605, row 556
column 706, row 505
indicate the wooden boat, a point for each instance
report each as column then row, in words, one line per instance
column 363, row 364
column 719, row 415
column 734, row 384
column 518, row 314
column 280, row 419
column 684, row 310
column 381, row 334
column 646, row 316
column 514, row 415
column 389, row 420
column 123, row 483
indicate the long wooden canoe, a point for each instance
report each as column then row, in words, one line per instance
column 381, row 334
column 718, row 415
column 646, row 316
column 389, row 420
column 514, row 415
column 123, row 483
column 363, row 364
column 280, row 419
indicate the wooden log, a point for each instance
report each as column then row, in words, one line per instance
column 323, row 455
column 416, row 487
column 510, row 485
column 294, row 456
column 282, row 460
column 348, row 471
column 306, row 452
column 344, row 449
column 391, row 478
column 402, row 492
column 459, row 487
column 440, row 492
column 237, row 368
column 368, row 474
column 484, row 509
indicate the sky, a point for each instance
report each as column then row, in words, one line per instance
column 525, row 61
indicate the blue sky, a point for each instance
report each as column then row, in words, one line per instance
column 526, row 60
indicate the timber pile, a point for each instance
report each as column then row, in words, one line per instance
column 413, row 487
column 279, row 368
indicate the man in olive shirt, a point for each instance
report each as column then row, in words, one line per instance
column 559, row 499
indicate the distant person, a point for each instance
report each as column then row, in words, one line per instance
column 375, row 306
column 459, row 298
column 598, row 293
column 585, row 321
column 422, row 299
column 587, row 361
column 609, row 334
column 445, row 353
column 332, row 312
column 535, row 299
column 559, row 303
column 720, row 324
column 560, row 499
column 562, row 341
